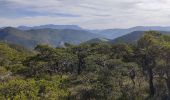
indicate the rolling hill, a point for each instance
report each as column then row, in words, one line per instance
column 54, row 35
column 30, row 38
column 105, row 33
column 115, row 33
column 133, row 37
column 13, row 35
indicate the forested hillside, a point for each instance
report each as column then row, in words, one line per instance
column 133, row 37
column 53, row 37
column 89, row 71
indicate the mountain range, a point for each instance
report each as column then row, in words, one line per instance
column 133, row 37
column 54, row 35
column 51, row 26
column 115, row 33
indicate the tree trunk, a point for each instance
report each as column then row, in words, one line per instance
column 151, row 86
column 79, row 66
column 168, row 85
column 168, row 82
column 78, row 71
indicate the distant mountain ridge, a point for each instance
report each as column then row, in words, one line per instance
column 129, row 38
column 133, row 37
column 105, row 33
column 115, row 33
column 51, row 26
column 53, row 37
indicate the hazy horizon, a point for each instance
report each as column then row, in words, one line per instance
column 80, row 26
column 100, row 14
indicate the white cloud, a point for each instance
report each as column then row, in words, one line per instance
column 92, row 14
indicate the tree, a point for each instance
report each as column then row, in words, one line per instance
column 81, row 52
column 148, row 49
column 165, row 56
column 50, row 61
column 122, row 51
column 35, row 67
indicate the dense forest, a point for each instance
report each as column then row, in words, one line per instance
column 89, row 71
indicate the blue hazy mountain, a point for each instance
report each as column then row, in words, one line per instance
column 115, row 33
column 105, row 33
column 55, row 34
column 51, row 26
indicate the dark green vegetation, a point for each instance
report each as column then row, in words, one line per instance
column 90, row 71
column 53, row 37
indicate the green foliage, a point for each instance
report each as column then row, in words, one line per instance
column 19, row 89
column 35, row 90
column 94, row 71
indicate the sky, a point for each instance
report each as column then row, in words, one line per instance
column 90, row 14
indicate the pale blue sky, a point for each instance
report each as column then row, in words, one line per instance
column 93, row 14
